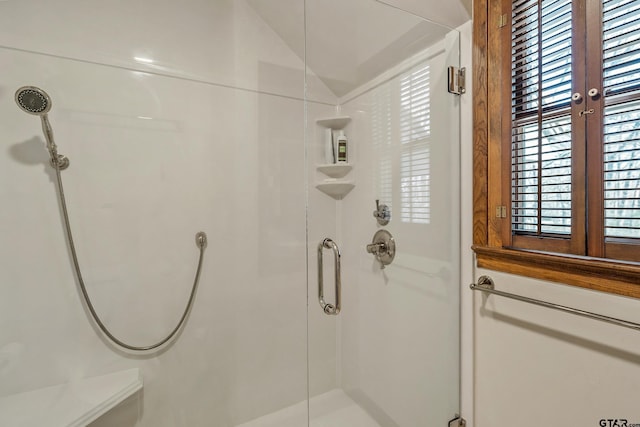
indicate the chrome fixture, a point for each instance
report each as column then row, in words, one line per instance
column 456, row 78
column 383, row 247
column 35, row 101
column 329, row 309
column 485, row 284
column 382, row 213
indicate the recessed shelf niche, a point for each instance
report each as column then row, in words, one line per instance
column 335, row 187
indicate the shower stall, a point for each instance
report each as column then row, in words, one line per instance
column 222, row 117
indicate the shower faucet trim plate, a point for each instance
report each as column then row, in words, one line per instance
column 383, row 247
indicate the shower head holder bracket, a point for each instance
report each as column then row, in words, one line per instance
column 61, row 160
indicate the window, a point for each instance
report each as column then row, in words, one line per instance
column 621, row 125
column 557, row 140
column 382, row 139
column 415, row 129
column 401, row 132
column 541, row 125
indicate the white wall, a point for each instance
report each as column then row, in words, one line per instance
column 544, row 367
column 223, row 152
column 222, row 42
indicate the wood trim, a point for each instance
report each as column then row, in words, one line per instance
column 594, row 130
column 617, row 277
column 547, row 244
column 578, row 132
column 480, row 123
column 593, row 273
column 495, row 68
column 504, row 35
column 629, row 251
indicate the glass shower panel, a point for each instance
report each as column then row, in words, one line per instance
column 390, row 358
column 176, row 117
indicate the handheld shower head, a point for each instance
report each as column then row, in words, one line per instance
column 33, row 100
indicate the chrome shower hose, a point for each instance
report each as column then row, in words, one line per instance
column 201, row 242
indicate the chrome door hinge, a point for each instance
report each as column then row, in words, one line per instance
column 457, row 80
column 503, row 20
column 501, row 211
column 458, row 421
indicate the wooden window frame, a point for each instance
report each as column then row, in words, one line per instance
column 492, row 156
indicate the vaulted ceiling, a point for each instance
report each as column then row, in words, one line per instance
column 349, row 42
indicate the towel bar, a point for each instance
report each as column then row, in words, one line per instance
column 485, row 284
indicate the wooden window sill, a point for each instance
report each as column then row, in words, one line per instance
column 622, row 278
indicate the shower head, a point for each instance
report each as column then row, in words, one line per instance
column 33, row 100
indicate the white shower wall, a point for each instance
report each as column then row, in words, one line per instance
column 209, row 136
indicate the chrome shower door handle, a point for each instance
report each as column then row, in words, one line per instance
column 328, row 308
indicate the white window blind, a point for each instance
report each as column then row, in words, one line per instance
column 621, row 75
column 381, row 120
column 541, row 62
column 415, row 129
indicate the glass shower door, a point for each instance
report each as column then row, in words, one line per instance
column 391, row 356
column 176, row 117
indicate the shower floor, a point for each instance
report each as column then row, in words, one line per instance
column 331, row 409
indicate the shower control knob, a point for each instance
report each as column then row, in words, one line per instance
column 377, row 248
column 383, row 247
column 382, row 213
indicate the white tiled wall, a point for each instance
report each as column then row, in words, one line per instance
column 206, row 138
column 222, row 41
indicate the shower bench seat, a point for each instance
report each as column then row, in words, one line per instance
column 73, row 404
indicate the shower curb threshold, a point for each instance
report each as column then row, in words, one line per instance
column 73, row 404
